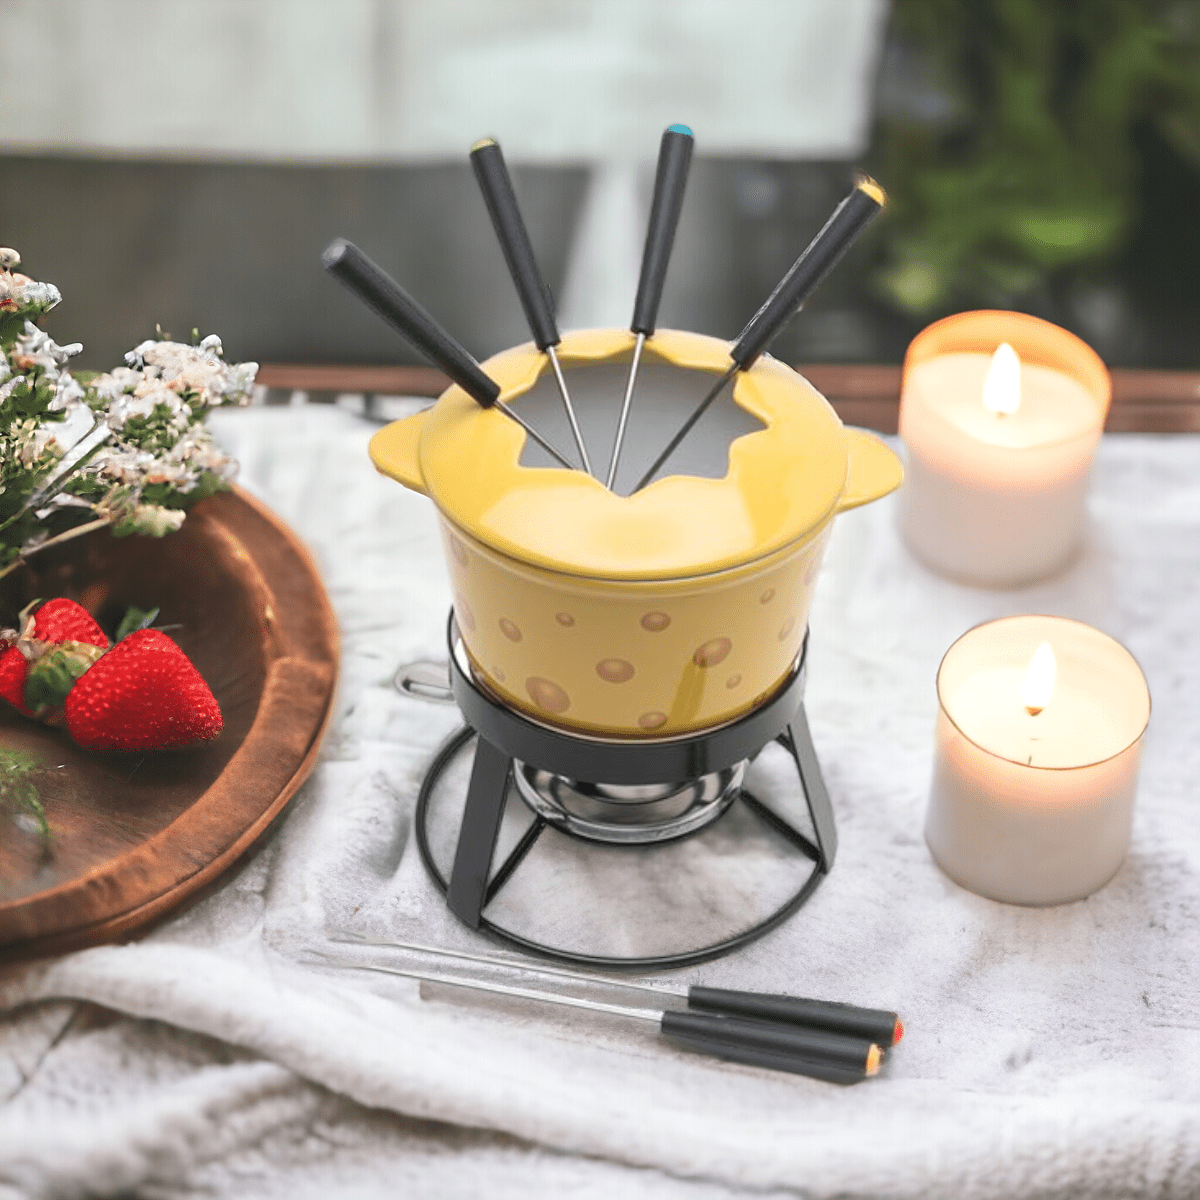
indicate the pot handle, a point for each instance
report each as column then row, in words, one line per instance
column 394, row 451
column 874, row 470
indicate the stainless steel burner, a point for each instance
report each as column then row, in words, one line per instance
column 628, row 814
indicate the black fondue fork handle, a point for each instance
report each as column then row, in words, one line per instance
column 367, row 280
column 876, row 1025
column 379, row 291
column 864, row 203
column 674, row 159
column 491, row 173
column 816, row 1053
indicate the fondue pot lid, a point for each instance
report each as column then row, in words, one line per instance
column 784, row 482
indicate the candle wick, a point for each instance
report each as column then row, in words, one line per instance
column 1029, row 761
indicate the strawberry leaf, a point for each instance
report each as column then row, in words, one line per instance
column 133, row 620
column 53, row 675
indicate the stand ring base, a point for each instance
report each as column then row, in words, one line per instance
column 682, row 958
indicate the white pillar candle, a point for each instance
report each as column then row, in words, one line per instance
column 1034, row 781
column 1000, row 445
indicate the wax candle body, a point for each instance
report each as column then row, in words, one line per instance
column 993, row 498
column 1035, row 809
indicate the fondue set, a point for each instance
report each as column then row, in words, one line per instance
column 629, row 654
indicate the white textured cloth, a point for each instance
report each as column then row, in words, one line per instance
column 1050, row 1052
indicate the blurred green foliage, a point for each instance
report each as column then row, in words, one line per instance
column 1011, row 152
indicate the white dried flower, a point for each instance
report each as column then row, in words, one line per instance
column 36, row 348
column 154, row 520
column 70, row 395
column 115, row 383
column 157, row 450
column 19, row 293
column 143, row 402
column 195, row 369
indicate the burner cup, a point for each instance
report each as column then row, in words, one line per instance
column 628, row 814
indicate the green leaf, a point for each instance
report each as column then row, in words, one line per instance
column 28, row 797
column 17, row 790
column 135, row 619
column 12, row 325
column 54, row 674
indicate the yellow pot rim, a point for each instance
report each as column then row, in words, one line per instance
column 784, row 482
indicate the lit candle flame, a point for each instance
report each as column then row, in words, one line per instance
column 1002, row 387
column 1039, row 680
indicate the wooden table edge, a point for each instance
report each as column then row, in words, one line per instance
column 868, row 394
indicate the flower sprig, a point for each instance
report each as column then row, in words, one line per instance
column 126, row 448
column 18, row 792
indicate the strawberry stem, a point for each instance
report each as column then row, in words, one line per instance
column 54, row 674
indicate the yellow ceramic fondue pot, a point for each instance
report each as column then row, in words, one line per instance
column 675, row 609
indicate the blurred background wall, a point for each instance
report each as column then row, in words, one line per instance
column 183, row 162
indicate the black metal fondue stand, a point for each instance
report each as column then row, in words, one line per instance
column 624, row 796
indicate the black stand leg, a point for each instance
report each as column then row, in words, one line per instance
column 486, row 796
column 819, row 807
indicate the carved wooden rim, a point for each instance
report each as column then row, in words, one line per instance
column 128, row 892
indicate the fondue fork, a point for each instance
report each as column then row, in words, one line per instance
column 379, row 291
column 878, row 1026
column 496, row 186
column 864, row 203
column 813, row 1052
column 674, row 159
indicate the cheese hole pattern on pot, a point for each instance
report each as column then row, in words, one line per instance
column 652, row 720
column 788, row 626
column 564, row 619
column 466, row 617
column 655, row 622
column 713, row 652
column 615, row 670
column 545, row 693
column 510, row 630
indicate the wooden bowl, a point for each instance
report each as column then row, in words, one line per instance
column 136, row 834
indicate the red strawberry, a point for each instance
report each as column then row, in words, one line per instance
column 13, row 670
column 58, row 643
column 65, row 621
column 144, row 694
